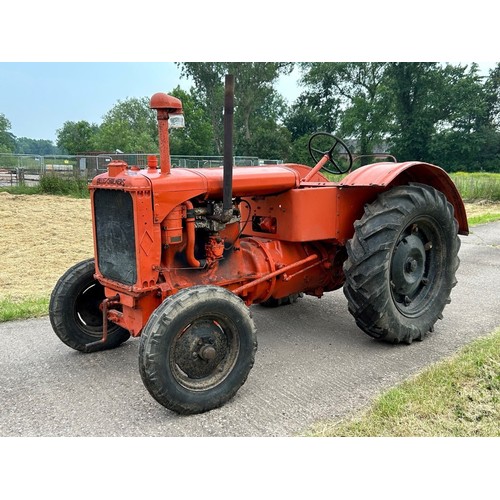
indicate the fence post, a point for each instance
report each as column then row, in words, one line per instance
column 20, row 176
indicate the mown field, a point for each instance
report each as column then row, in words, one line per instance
column 40, row 238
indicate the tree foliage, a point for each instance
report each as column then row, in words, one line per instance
column 417, row 92
column 129, row 126
column 440, row 113
column 7, row 139
column 350, row 99
column 197, row 136
column 446, row 114
column 76, row 137
column 256, row 101
column 25, row 145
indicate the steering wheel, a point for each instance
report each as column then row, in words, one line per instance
column 338, row 154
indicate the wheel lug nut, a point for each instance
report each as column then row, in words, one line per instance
column 407, row 300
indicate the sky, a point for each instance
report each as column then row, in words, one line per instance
column 38, row 97
column 53, row 62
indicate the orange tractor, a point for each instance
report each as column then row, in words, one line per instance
column 180, row 254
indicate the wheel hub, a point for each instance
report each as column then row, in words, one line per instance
column 201, row 349
column 207, row 352
column 87, row 307
column 408, row 267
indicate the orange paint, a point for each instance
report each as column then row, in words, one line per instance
column 287, row 233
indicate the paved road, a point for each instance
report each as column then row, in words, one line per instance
column 313, row 363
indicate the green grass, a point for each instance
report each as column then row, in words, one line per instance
column 54, row 185
column 483, row 219
column 22, row 309
column 477, row 186
column 458, row 397
column 472, row 186
column 22, row 189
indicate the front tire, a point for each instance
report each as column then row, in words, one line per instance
column 401, row 263
column 197, row 349
column 75, row 314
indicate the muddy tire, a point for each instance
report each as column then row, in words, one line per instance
column 197, row 349
column 401, row 263
column 74, row 310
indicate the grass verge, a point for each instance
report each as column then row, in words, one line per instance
column 458, row 397
column 22, row 309
column 483, row 218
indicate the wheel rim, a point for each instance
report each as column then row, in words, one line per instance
column 204, row 353
column 415, row 266
column 87, row 313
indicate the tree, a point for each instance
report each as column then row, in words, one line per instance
column 255, row 92
column 302, row 119
column 207, row 79
column 440, row 113
column 261, row 133
column 255, row 97
column 196, row 137
column 25, row 145
column 458, row 138
column 129, row 126
column 492, row 96
column 491, row 131
column 350, row 99
column 76, row 137
column 418, row 96
column 299, row 152
column 269, row 141
column 7, row 139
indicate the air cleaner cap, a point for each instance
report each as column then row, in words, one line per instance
column 166, row 102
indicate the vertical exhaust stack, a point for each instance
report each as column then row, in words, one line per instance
column 227, row 191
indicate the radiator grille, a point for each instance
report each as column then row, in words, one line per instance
column 114, row 222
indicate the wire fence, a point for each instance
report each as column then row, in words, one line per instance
column 22, row 169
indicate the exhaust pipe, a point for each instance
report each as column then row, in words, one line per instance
column 227, row 191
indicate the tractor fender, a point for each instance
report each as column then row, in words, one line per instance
column 388, row 174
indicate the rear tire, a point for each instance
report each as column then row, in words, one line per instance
column 197, row 349
column 74, row 310
column 401, row 263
